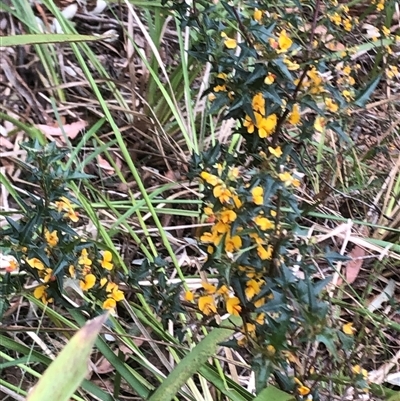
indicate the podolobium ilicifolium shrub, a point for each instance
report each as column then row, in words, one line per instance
column 43, row 245
column 287, row 72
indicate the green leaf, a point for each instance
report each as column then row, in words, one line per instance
column 273, row 394
column 21, row 40
column 191, row 363
column 328, row 339
column 365, row 95
column 66, row 373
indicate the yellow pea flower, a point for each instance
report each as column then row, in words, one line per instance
column 189, row 296
column 258, row 103
column 232, row 244
column 257, row 15
column 109, row 303
column 36, row 263
column 88, row 282
column 222, row 193
column 263, row 253
column 207, row 305
column 294, row 116
column 228, row 216
column 263, row 223
column 277, row 152
column 229, row 42
column 284, row 42
column 266, row 126
column 51, row 237
column 233, row 306
column 301, row 389
column 258, row 195
column 106, row 263
column 348, row 329
column 210, row 289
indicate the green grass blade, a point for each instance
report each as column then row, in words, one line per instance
column 68, row 370
column 32, row 39
column 190, row 364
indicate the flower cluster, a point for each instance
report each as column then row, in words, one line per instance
column 44, row 243
column 243, row 211
column 92, row 273
column 271, row 85
column 265, row 125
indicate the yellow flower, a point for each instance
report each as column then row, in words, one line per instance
column 301, row 389
column 103, row 282
column 319, row 124
column 207, row 305
column 263, row 253
column 63, row 204
column 88, row 282
column 222, row 193
column 291, row 65
column 223, row 290
column 208, row 211
column 232, row 244
column 263, row 223
column 284, row 42
column 271, row 351
column 250, row 328
column 219, row 88
column 109, row 303
column 213, row 238
column 257, row 15
column 294, row 116
column 260, row 318
column 189, row 296
column 358, row 370
column 258, row 195
column 111, row 286
column 51, row 237
column 72, row 215
column 266, row 126
column 253, row 287
column 36, row 263
column 348, row 95
column 237, row 202
column 117, row 294
column 40, row 293
column 48, row 275
column 277, row 152
column 229, row 42
column 269, row 79
column 233, row 306
column 288, row 179
column 221, row 228
column 228, row 216
column 348, row 329
column 106, row 263
column 392, row 71
column 335, row 18
column 249, row 124
column 211, row 179
column 83, row 259
column 210, row 289
column 258, row 103
column 211, row 97
column 259, row 303
column 347, row 24
column 331, row 105
column 233, row 173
